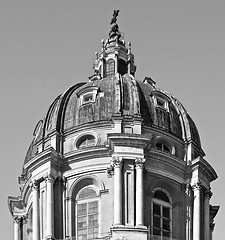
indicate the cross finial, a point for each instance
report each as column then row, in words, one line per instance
column 114, row 18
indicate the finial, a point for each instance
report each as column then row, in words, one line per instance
column 114, row 18
column 114, row 33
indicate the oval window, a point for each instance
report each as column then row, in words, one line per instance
column 86, row 141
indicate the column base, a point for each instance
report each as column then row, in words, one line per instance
column 50, row 237
column 129, row 232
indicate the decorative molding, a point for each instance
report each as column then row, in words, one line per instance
column 187, row 188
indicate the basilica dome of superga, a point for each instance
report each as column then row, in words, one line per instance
column 115, row 158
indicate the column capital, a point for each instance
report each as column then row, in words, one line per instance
column 117, row 162
column 139, row 162
column 17, row 219
column 49, row 178
column 34, row 184
column 197, row 186
column 212, row 226
column 208, row 194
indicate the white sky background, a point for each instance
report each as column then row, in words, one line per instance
column 47, row 46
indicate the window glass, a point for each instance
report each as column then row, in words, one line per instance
column 88, row 98
column 87, row 211
column 161, row 215
column 110, row 68
column 161, row 195
column 122, row 67
column 86, row 141
column 162, row 147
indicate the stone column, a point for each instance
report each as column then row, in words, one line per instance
column 197, row 211
column 16, row 223
column 49, row 206
column 36, row 211
column 212, row 225
column 117, row 163
column 207, row 197
column 188, row 217
column 139, row 164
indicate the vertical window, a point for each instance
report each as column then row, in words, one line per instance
column 110, row 68
column 161, row 215
column 87, row 211
column 122, row 67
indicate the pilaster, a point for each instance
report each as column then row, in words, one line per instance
column 117, row 163
column 139, row 165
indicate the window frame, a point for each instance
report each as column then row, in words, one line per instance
column 85, row 138
column 110, row 67
column 87, row 201
column 162, row 204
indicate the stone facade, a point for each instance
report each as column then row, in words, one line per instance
column 115, row 158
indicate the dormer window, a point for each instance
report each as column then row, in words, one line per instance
column 87, row 95
column 110, row 68
column 88, row 98
column 161, row 103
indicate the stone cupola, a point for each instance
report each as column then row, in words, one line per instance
column 114, row 57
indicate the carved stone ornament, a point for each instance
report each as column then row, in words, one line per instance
column 208, row 194
column 110, row 171
column 117, row 162
column 197, row 186
column 49, row 178
column 17, row 219
column 34, row 184
column 139, row 162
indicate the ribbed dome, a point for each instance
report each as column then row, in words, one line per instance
column 100, row 100
column 113, row 92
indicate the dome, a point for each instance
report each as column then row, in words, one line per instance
column 99, row 101
column 111, row 93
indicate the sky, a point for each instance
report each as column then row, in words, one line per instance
column 48, row 46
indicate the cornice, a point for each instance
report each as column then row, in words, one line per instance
column 47, row 155
column 87, row 153
column 201, row 164
column 90, row 126
column 129, row 140
column 167, row 158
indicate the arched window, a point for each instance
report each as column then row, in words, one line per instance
column 161, row 214
column 110, row 68
column 163, row 147
column 87, row 214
